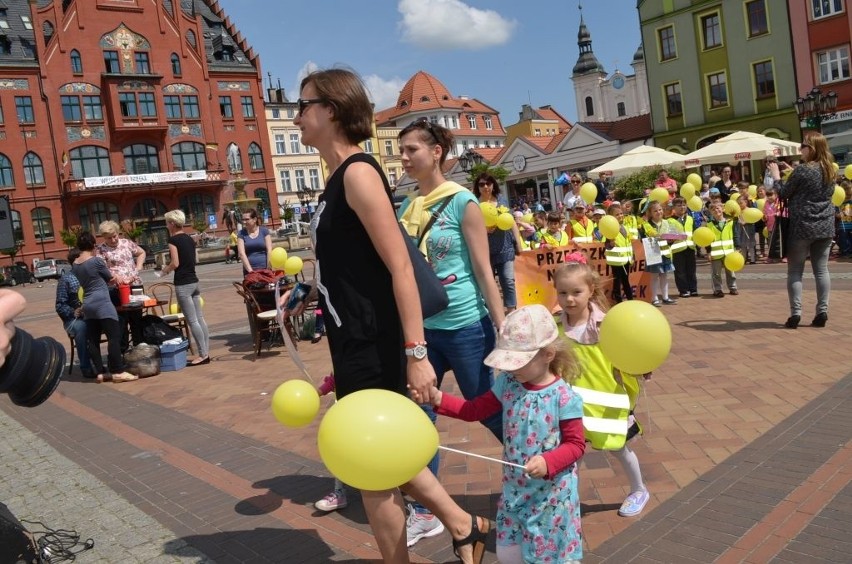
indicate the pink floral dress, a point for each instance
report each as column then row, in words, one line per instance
column 120, row 259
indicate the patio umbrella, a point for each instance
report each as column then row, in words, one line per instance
column 741, row 146
column 637, row 159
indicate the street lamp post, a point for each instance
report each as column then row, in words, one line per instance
column 306, row 196
column 470, row 159
column 815, row 107
column 30, row 179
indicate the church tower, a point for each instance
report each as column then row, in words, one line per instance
column 587, row 75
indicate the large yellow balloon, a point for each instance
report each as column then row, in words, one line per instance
column 174, row 309
column 752, row 215
column 293, row 265
column 505, row 221
column 752, row 191
column 687, row 191
column 489, row 213
column 695, row 203
column 660, row 195
column 295, row 403
column 847, row 172
column 636, row 337
column 695, row 180
column 732, row 208
column 376, row 439
column 734, row 261
column 839, row 195
column 528, row 218
column 761, row 203
column 588, row 192
column 703, row 236
column 277, row 258
column 609, row 227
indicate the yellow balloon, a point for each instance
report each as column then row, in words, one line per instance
column 766, row 232
column 687, row 191
column 174, row 309
column 760, row 203
column 489, row 213
column 703, row 236
column 752, row 215
column 734, row 196
column 376, row 439
column 734, row 261
column 588, row 192
column 839, row 195
column 636, row 337
column 528, row 218
column 505, row 221
column 295, row 403
column 80, row 294
column 752, row 191
column 732, row 208
column 502, row 209
column 609, row 227
column 695, row 180
column 277, row 258
column 660, row 195
column 836, row 167
column 201, row 300
column 847, row 172
column 695, row 203
column 293, row 265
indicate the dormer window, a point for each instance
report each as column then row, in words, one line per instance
column 28, row 24
column 424, row 99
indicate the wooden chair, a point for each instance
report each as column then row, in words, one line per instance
column 74, row 350
column 262, row 322
column 164, row 293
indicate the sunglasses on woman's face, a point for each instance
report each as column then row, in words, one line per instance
column 483, row 184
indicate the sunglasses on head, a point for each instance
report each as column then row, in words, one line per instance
column 424, row 123
column 305, row 102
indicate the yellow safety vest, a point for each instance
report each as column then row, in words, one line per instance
column 724, row 243
column 687, row 226
column 580, row 234
column 665, row 250
column 549, row 239
column 621, row 254
column 632, row 225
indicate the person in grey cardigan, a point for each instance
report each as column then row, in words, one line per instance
column 808, row 192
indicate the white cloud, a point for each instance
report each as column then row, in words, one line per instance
column 383, row 93
column 452, row 24
column 307, row 68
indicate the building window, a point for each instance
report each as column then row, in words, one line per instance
column 143, row 64
column 300, row 180
column 537, row 132
column 188, row 156
column 674, row 106
column 276, row 113
column 823, row 8
column 190, row 107
column 76, row 62
column 833, row 65
column 92, row 108
column 255, row 157
column 175, row 65
column 392, row 178
column 262, row 194
column 388, row 148
column 471, row 121
column 756, row 12
column 172, row 104
column 24, row 108
column 33, row 170
column 148, row 207
column 718, row 85
column 590, row 106
column 621, row 109
column 127, row 104
column 291, row 113
column 147, row 106
column 17, row 226
column 285, row 180
column 190, row 38
column 294, row 144
column 28, row 24
column 488, row 124
column 280, row 144
column 89, row 160
column 42, row 224
column 7, row 179
column 2, row 119
column 247, row 104
column 94, row 214
column 668, row 49
column 764, row 79
column 71, row 110
column 196, row 205
column 314, row 178
column 225, row 108
column 5, row 45
column 711, row 31
column 111, row 62
column 141, row 159
column 368, row 146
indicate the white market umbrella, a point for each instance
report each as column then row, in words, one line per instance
column 636, row 159
column 741, row 146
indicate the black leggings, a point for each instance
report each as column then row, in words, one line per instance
column 112, row 330
column 621, row 281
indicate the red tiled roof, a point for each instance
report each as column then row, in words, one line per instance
column 547, row 112
column 555, row 141
column 540, row 141
column 629, row 129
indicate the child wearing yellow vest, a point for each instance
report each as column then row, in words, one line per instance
column 553, row 235
column 723, row 229
column 619, row 256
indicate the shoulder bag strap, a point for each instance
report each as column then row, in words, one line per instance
column 435, row 214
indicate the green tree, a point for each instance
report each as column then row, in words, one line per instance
column 497, row 172
column 12, row 252
column 69, row 236
column 131, row 230
column 633, row 187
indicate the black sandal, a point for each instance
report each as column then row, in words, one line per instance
column 476, row 538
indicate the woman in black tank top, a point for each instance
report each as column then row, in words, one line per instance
column 367, row 292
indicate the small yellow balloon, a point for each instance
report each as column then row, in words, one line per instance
column 277, row 258
column 609, row 227
column 588, row 192
column 201, row 300
column 839, row 196
column 734, row 261
column 836, row 167
column 489, row 213
column 174, row 309
column 687, row 191
column 660, row 195
column 752, row 215
column 847, row 172
column 695, row 203
column 505, row 221
column 632, row 350
column 761, row 203
column 502, row 209
column 752, row 191
column 295, row 403
column 528, row 218
column 734, row 196
column 80, row 294
column 732, row 208
column 695, row 180
column 703, row 236
column 766, row 232
column 293, row 265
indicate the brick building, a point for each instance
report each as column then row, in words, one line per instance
column 124, row 109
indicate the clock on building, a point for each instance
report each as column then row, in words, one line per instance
column 618, row 81
column 519, row 163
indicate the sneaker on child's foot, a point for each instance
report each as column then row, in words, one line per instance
column 334, row 500
column 421, row 525
column 634, row 504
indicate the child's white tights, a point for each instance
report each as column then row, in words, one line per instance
column 630, row 463
column 512, row 555
column 660, row 285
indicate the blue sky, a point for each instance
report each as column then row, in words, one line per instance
column 503, row 52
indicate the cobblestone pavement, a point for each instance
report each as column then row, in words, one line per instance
column 746, row 452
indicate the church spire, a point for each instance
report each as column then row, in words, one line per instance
column 586, row 62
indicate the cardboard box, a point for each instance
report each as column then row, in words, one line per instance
column 173, row 357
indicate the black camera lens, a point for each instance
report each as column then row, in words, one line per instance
column 32, row 370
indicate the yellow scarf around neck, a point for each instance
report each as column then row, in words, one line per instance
column 417, row 214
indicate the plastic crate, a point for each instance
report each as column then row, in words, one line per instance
column 173, row 357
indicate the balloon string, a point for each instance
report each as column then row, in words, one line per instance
column 483, row 457
column 291, row 348
column 647, row 407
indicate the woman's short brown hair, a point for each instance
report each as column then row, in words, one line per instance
column 344, row 92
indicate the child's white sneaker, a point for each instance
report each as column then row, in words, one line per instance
column 634, row 504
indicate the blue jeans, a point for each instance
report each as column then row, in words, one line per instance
column 462, row 351
column 189, row 300
column 505, row 272
column 797, row 251
column 76, row 329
